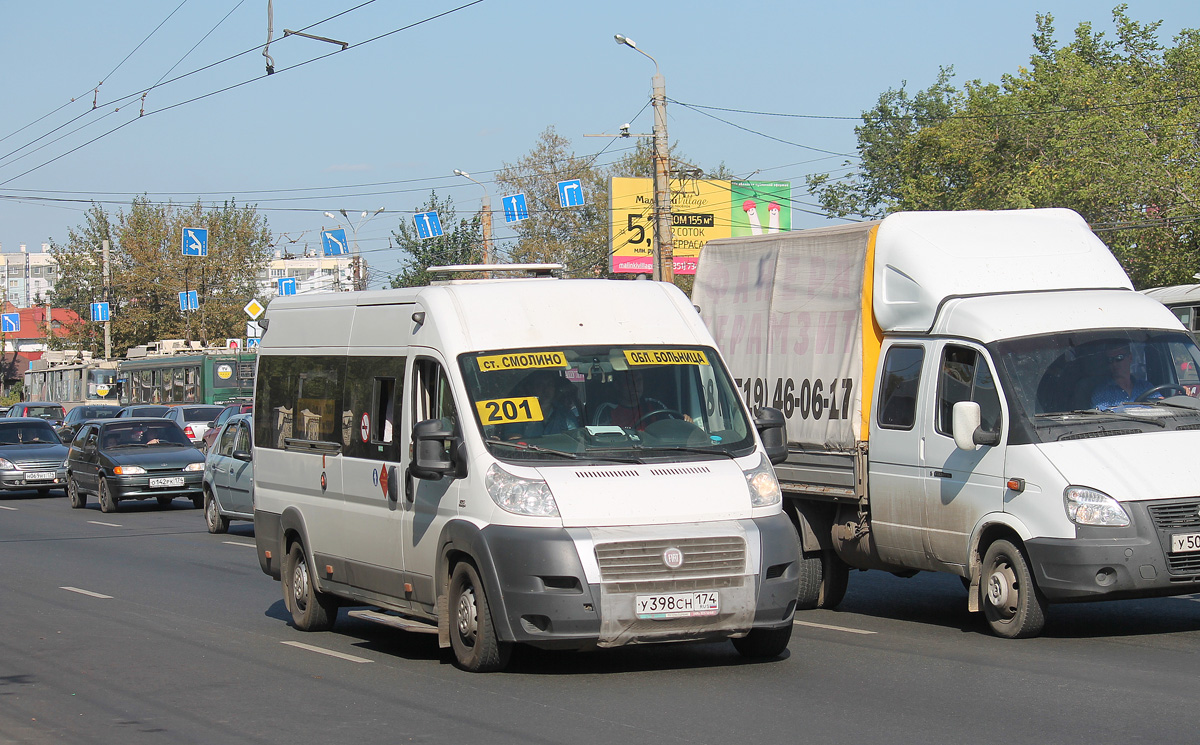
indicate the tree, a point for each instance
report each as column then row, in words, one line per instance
column 148, row 271
column 462, row 244
column 1104, row 127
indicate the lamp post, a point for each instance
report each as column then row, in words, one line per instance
column 486, row 216
column 664, row 252
column 359, row 280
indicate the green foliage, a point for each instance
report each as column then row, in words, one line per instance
column 1106, row 127
column 459, row 244
column 148, row 271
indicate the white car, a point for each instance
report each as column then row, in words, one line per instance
column 193, row 419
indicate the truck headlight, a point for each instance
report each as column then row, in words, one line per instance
column 519, row 495
column 1090, row 507
column 764, row 488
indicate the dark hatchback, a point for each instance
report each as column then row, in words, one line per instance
column 81, row 414
column 31, row 455
column 139, row 458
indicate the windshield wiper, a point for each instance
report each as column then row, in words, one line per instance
column 1119, row 415
column 684, row 449
column 516, row 445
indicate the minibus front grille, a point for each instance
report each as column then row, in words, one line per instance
column 1183, row 563
column 1176, row 514
column 643, row 561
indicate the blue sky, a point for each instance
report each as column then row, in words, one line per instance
column 387, row 120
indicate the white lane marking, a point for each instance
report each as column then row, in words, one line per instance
column 89, row 593
column 237, row 543
column 330, row 652
column 4, row 507
column 834, row 628
column 107, row 525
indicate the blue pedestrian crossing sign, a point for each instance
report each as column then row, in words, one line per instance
column 195, row 242
column 428, row 225
column 189, row 301
column 99, row 312
column 287, row 286
column 10, row 323
column 515, row 208
column 252, row 343
column 335, row 242
column 570, row 193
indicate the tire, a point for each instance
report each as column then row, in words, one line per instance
column 1012, row 604
column 217, row 523
column 810, row 581
column 311, row 610
column 107, row 503
column 198, row 501
column 835, row 577
column 763, row 643
column 472, row 634
column 77, row 498
column 164, row 501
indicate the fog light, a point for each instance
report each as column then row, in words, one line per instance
column 1106, row 577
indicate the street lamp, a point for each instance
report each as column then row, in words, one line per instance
column 359, row 283
column 664, row 252
column 486, row 211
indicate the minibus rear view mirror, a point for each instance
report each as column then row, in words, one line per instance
column 435, row 448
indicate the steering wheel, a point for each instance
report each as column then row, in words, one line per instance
column 672, row 412
column 1159, row 389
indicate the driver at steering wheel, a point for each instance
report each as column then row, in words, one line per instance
column 634, row 409
column 1122, row 386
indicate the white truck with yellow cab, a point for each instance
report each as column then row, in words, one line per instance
column 559, row 463
column 979, row 393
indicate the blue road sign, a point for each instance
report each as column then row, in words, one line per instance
column 252, row 343
column 10, row 323
column 335, row 242
column 287, row 286
column 570, row 193
column 189, row 301
column 515, row 208
column 428, row 225
column 99, row 312
column 195, row 242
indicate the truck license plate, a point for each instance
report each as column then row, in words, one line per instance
column 1184, row 543
column 40, row 476
column 678, row 605
column 167, row 481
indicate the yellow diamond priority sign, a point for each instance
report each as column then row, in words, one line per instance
column 254, row 309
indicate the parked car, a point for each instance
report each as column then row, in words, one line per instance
column 120, row 459
column 47, row 410
column 210, row 434
column 31, row 456
column 4, row 410
column 193, row 419
column 143, row 410
column 81, row 414
column 229, row 474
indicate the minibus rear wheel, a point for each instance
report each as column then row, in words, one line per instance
column 472, row 633
column 311, row 610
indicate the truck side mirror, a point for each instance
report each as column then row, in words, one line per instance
column 772, row 428
column 437, row 451
column 967, row 434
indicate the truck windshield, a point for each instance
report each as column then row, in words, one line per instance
column 616, row 402
column 1076, row 379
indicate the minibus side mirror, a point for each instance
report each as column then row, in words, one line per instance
column 967, row 434
column 437, row 451
column 772, row 428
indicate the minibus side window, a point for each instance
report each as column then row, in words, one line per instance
column 434, row 399
column 898, row 387
column 965, row 376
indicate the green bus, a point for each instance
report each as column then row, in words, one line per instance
column 199, row 378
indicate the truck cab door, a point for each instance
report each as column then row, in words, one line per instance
column 961, row 486
column 897, row 490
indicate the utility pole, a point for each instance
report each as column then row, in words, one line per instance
column 485, row 216
column 106, row 279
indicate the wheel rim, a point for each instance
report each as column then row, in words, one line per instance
column 300, row 585
column 467, row 617
column 1003, row 594
column 211, row 512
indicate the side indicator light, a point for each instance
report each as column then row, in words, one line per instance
column 1017, row 485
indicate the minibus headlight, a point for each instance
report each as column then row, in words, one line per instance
column 518, row 495
column 764, row 488
column 1090, row 507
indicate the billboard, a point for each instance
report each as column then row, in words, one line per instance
column 701, row 211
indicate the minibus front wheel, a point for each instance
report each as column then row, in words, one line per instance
column 472, row 633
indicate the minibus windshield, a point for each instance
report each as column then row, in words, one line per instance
column 606, row 402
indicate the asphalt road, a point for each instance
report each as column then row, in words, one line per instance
column 141, row 627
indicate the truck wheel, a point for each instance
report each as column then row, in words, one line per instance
column 77, row 498
column 763, row 643
column 217, row 523
column 835, row 576
column 107, row 503
column 1012, row 603
column 311, row 610
column 472, row 634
